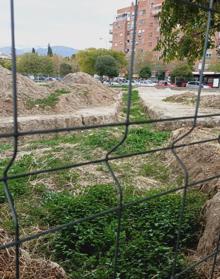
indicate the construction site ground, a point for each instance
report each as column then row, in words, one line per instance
column 157, row 107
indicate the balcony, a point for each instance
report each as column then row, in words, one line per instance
column 121, row 17
column 110, row 32
column 156, row 9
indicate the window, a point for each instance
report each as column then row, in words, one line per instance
column 142, row 21
column 143, row 12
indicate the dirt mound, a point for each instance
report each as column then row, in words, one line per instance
column 212, row 101
column 184, row 98
column 202, row 162
column 189, row 98
column 80, row 78
column 77, row 91
column 88, row 88
column 29, row 268
column 26, row 89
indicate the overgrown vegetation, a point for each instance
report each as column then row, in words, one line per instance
column 87, row 250
column 50, row 101
column 147, row 238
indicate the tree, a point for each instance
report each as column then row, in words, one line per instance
column 145, row 72
column 6, row 63
column 65, row 69
column 49, row 51
column 214, row 67
column 182, row 73
column 32, row 63
column 142, row 59
column 182, row 28
column 33, row 50
column 46, row 66
column 28, row 63
column 106, row 65
column 87, row 59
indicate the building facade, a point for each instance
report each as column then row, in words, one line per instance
column 148, row 29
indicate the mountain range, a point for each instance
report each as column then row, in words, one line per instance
column 58, row 50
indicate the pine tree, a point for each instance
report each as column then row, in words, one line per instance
column 49, row 51
column 33, row 50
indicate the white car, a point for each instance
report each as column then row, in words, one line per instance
column 195, row 85
column 147, row 83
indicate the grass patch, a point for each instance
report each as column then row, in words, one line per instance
column 137, row 113
column 18, row 187
column 156, row 170
column 5, row 147
column 50, row 101
column 147, row 239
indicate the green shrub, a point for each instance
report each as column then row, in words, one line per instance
column 148, row 233
column 50, row 101
column 18, row 187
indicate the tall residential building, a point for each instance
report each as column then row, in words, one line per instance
column 148, row 29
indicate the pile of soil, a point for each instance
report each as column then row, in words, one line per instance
column 202, row 162
column 189, row 98
column 90, row 89
column 29, row 268
column 76, row 91
column 26, row 89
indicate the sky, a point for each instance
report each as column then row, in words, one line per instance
column 75, row 23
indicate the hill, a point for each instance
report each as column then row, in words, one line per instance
column 63, row 51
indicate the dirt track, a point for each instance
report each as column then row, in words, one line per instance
column 153, row 101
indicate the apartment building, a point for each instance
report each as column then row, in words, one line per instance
column 148, row 30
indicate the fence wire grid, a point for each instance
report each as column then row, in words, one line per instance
column 16, row 134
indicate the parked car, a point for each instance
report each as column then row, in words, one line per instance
column 192, row 84
column 195, row 85
column 50, row 79
column 115, row 83
column 165, row 83
column 107, row 83
column 147, row 83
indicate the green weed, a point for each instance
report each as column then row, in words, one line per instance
column 50, row 101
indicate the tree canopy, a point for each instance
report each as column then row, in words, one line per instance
column 32, row 63
column 182, row 73
column 35, row 64
column 106, row 65
column 145, row 72
column 65, row 69
column 182, row 28
column 87, row 59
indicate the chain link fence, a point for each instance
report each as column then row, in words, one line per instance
column 6, row 178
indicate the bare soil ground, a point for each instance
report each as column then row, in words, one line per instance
column 203, row 161
column 189, row 98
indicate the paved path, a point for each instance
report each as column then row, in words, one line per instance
column 152, row 99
